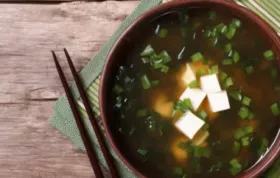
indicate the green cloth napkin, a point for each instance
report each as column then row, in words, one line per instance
column 62, row 118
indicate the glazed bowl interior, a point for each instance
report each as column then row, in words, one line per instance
column 126, row 43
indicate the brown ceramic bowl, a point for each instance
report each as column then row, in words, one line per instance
column 117, row 54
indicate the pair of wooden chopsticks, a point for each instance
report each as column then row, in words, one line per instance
column 85, row 136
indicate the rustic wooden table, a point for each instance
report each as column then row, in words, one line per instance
column 29, row 84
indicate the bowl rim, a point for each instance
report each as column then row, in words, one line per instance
column 274, row 151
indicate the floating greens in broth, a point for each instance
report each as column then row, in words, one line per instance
column 148, row 87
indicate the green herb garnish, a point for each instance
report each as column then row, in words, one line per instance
column 236, row 147
column 227, row 61
column 163, row 32
column 146, row 84
column 147, row 51
column 235, row 95
column 243, row 112
column 245, row 141
column 249, row 69
column 193, row 84
column 246, row 101
column 275, row 109
column 269, row 55
column 197, row 57
column 236, row 57
column 202, row 114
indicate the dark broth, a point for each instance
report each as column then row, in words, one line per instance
column 148, row 141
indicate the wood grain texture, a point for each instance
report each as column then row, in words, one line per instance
column 29, row 147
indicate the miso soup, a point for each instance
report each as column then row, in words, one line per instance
column 197, row 96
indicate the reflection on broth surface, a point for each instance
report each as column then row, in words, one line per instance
column 148, row 102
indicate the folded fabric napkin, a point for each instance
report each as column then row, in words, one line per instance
column 62, row 118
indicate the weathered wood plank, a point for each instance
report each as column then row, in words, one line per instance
column 29, row 86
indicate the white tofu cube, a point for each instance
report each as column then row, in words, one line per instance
column 189, row 124
column 189, row 75
column 218, row 101
column 195, row 95
column 210, row 83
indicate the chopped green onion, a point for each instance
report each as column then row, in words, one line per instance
column 231, row 32
column 183, row 105
column 228, row 82
column 214, row 33
column 178, row 171
column 147, row 51
column 201, row 72
column 235, row 167
column 180, row 55
column 197, row 57
column 154, row 83
column 187, row 102
column 239, row 133
column 228, row 48
column 273, row 72
column 118, row 89
column 146, row 84
column 202, row 152
column 126, row 79
column 251, row 115
column 207, row 33
column 163, row 32
column 243, row 112
column 236, row 147
column 263, row 146
column 222, row 28
column 236, row 23
column 227, row 61
column 214, row 69
column 245, row 141
column 246, row 101
column 164, row 68
column 248, row 129
column 249, row 69
column 193, row 84
column 235, row 95
column 275, row 109
column 145, row 60
column 269, row 55
column 165, row 56
column 202, row 114
column 212, row 15
column 142, row 151
column 142, row 112
column 236, row 57
column 223, row 76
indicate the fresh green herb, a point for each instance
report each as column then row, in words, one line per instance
column 246, row 101
column 273, row 72
column 269, row 55
column 147, row 51
column 180, row 55
column 235, row 167
column 197, row 57
column 222, row 28
column 142, row 151
column 236, row 57
column 212, row 15
column 245, row 141
column 207, row 33
column 236, row 147
column 236, row 23
column 249, row 69
column 201, row 72
column 163, row 32
column 275, row 109
column 228, row 48
column 145, row 60
column 223, row 76
column 165, row 56
column 214, row 69
column 229, row 81
column 164, row 68
column 235, row 95
column 239, row 133
column 178, row 171
column 142, row 112
column 248, row 129
column 193, row 84
column 126, row 79
column 202, row 114
column 243, row 112
column 118, row 89
column 154, row 83
column 227, row 61
column 231, row 32
column 146, row 84
column 214, row 33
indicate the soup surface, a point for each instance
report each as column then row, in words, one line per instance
column 147, row 102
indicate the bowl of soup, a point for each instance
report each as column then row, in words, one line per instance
column 191, row 89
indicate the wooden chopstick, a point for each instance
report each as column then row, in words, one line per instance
column 93, row 121
column 85, row 137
